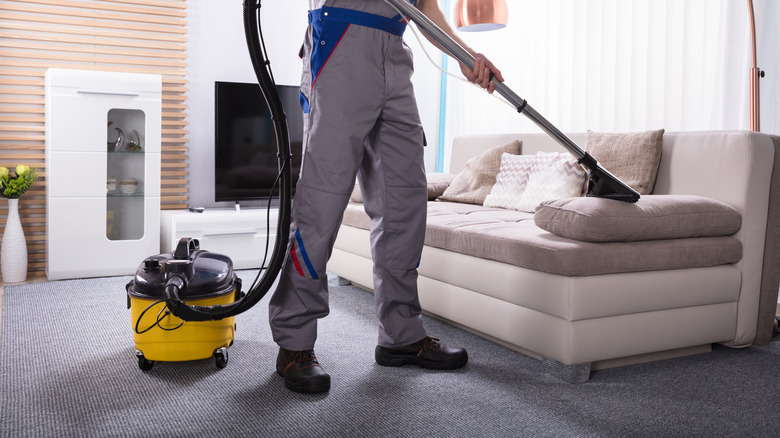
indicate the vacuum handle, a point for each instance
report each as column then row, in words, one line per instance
column 185, row 248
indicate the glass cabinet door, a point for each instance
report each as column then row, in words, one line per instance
column 125, row 174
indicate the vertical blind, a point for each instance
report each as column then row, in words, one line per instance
column 138, row 36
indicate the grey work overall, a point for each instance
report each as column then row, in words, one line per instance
column 360, row 118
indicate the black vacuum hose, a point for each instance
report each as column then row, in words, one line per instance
column 273, row 101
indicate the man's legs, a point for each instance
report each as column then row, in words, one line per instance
column 343, row 103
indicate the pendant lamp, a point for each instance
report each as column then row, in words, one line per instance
column 480, row 15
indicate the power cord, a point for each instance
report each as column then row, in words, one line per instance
column 159, row 318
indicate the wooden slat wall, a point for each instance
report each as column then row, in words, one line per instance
column 142, row 36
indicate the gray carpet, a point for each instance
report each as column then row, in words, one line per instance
column 67, row 368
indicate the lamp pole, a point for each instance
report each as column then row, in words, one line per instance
column 755, row 75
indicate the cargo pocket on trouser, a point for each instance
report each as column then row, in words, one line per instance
column 403, row 228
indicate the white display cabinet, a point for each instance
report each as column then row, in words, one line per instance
column 103, row 155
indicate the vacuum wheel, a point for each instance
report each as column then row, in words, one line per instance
column 143, row 363
column 221, row 357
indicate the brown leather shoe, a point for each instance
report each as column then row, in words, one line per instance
column 301, row 371
column 427, row 353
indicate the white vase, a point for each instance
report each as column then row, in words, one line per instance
column 13, row 254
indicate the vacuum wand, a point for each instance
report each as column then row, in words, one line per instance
column 602, row 183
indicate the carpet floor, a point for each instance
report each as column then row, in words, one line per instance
column 67, row 368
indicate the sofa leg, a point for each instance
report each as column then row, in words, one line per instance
column 343, row 281
column 578, row 373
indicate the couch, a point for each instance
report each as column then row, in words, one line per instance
column 591, row 304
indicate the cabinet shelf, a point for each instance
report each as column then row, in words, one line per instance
column 127, row 152
column 122, row 195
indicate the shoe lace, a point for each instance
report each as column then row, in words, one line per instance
column 304, row 356
column 429, row 343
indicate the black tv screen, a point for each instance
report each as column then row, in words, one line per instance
column 246, row 163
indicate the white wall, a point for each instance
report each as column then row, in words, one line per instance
column 216, row 51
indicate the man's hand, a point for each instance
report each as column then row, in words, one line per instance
column 481, row 74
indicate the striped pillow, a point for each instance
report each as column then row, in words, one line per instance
column 554, row 175
column 511, row 181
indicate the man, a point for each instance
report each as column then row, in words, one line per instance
column 360, row 118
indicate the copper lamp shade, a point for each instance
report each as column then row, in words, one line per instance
column 480, row 15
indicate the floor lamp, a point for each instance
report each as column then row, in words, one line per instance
column 755, row 75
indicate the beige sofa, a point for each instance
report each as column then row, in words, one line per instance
column 583, row 306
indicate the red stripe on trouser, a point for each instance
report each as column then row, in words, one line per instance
column 295, row 261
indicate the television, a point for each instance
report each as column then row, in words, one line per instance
column 245, row 151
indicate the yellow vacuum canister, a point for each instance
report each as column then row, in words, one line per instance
column 209, row 281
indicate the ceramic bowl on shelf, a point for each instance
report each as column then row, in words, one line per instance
column 110, row 184
column 128, row 186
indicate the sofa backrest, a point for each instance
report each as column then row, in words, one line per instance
column 735, row 167
column 467, row 146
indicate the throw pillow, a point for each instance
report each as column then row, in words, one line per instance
column 653, row 217
column 473, row 183
column 554, row 175
column 511, row 181
column 633, row 157
column 438, row 183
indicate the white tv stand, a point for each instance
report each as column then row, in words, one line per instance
column 238, row 234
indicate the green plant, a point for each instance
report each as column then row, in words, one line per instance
column 14, row 187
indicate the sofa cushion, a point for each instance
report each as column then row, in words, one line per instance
column 653, row 217
column 632, row 157
column 511, row 237
column 511, row 181
column 554, row 175
column 474, row 182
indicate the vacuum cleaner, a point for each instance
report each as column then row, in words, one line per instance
column 196, row 294
column 161, row 336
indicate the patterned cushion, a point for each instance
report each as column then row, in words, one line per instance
column 554, row 175
column 474, row 182
column 511, row 181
